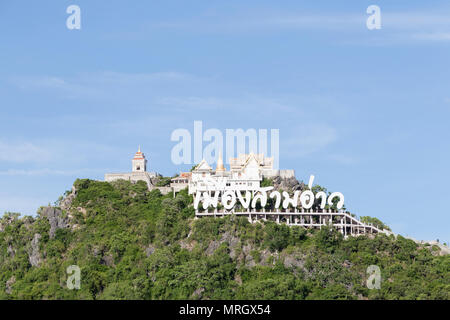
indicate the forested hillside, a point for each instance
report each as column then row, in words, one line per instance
column 131, row 243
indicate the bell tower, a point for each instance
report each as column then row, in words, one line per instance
column 139, row 162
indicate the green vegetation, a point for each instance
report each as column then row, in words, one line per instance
column 163, row 181
column 377, row 223
column 131, row 243
column 266, row 182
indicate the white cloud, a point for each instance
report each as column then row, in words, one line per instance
column 23, row 152
column 399, row 26
column 104, row 85
column 208, row 103
column 47, row 172
column 415, row 20
column 432, row 36
column 32, row 156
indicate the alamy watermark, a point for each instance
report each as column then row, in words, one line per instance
column 74, row 20
column 74, row 277
column 191, row 148
column 374, row 20
column 374, row 280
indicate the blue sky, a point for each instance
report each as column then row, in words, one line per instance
column 366, row 112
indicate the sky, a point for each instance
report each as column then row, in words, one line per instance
column 366, row 111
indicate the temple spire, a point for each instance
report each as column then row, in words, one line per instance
column 220, row 166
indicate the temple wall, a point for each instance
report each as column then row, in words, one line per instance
column 164, row 190
column 132, row 176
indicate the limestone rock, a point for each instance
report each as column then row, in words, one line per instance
column 250, row 261
column 67, row 201
column 11, row 251
column 96, row 251
column 188, row 245
column 233, row 242
column 107, row 260
column 213, row 246
column 34, row 255
column 287, row 184
column 9, row 284
column 198, row 293
column 291, row 261
column 55, row 218
column 149, row 250
column 264, row 257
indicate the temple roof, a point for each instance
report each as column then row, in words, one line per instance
column 183, row 175
column 139, row 155
column 203, row 165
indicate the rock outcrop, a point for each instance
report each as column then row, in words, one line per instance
column 287, row 184
column 55, row 218
column 9, row 284
column 67, row 201
column 149, row 250
column 11, row 251
column 34, row 256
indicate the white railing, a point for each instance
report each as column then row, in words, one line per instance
column 346, row 221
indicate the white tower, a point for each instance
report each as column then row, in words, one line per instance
column 139, row 162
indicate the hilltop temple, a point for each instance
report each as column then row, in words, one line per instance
column 246, row 173
column 138, row 171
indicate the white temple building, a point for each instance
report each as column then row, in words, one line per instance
column 245, row 174
column 138, row 171
column 181, row 181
